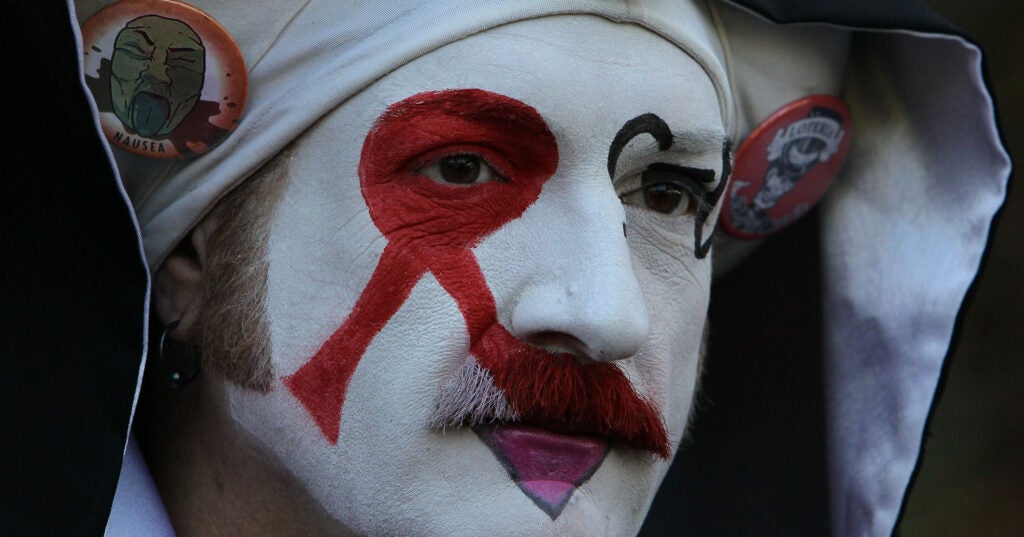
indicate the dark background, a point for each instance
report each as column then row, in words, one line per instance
column 971, row 482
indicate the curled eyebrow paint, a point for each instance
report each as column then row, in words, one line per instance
column 653, row 125
column 643, row 124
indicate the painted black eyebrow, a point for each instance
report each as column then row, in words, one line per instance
column 708, row 202
column 657, row 171
column 645, row 123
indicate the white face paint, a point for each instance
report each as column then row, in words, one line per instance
column 566, row 275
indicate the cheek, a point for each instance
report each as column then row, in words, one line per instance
column 323, row 246
column 664, row 248
column 321, row 252
column 392, row 458
column 677, row 289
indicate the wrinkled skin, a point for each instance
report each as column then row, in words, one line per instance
column 157, row 73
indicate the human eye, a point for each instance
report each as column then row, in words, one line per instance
column 665, row 198
column 460, row 169
column 669, row 189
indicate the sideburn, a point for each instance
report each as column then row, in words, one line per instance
column 233, row 332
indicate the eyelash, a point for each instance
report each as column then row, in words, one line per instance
column 484, row 166
column 691, row 181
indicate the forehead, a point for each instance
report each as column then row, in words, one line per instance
column 584, row 75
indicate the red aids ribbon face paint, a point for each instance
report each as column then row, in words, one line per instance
column 427, row 223
column 785, row 166
column 431, row 226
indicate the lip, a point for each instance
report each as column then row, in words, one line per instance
column 547, row 466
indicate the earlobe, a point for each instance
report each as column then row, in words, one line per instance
column 178, row 283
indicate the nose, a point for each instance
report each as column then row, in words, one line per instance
column 584, row 298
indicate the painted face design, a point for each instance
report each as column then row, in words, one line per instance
column 485, row 303
column 431, row 226
column 157, row 72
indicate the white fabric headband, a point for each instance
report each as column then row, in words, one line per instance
column 307, row 57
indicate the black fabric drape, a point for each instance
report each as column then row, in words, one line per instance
column 73, row 290
column 754, row 463
column 889, row 14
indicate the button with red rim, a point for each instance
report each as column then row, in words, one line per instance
column 168, row 80
column 785, row 166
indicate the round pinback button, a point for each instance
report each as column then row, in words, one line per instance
column 785, row 166
column 168, row 80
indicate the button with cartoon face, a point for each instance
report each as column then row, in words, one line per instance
column 168, row 80
column 785, row 166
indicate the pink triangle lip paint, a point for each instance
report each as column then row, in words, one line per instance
column 547, row 466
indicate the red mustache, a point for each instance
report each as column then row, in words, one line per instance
column 554, row 391
column 558, row 392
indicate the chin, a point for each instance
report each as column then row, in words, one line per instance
column 460, row 488
column 612, row 503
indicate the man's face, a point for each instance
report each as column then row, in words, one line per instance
column 157, row 74
column 473, row 237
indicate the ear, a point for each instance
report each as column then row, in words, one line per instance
column 178, row 284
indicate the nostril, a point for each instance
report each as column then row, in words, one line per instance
column 560, row 343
